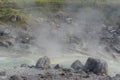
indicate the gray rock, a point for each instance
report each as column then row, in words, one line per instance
column 5, row 44
column 77, row 65
column 117, row 75
column 43, row 63
column 111, row 37
column 69, row 20
column 96, row 66
column 24, row 38
column 5, row 39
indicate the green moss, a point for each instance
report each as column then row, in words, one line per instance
column 9, row 8
column 53, row 5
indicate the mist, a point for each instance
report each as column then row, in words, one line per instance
column 69, row 34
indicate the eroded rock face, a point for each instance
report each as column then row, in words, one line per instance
column 77, row 65
column 111, row 37
column 43, row 63
column 96, row 66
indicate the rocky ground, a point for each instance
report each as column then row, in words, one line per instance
column 94, row 69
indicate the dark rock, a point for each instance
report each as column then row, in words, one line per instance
column 5, row 44
column 111, row 37
column 3, row 33
column 5, row 39
column 117, row 75
column 24, row 65
column 62, row 74
column 15, row 18
column 77, row 65
column 63, row 17
column 96, row 66
column 3, row 73
column 16, row 77
column 66, row 70
column 57, row 67
column 24, row 38
column 32, row 66
column 115, row 47
column 24, row 78
column 43, row 63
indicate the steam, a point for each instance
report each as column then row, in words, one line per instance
column 82, row 35
column 64, row 41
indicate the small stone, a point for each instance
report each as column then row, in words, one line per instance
column 57, row 67
column 24, row 65
column 32, row 66
column 66, row 70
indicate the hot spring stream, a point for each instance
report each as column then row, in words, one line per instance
column 64, row 37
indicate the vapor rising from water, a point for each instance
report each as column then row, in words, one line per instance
column 77, row 40
column 64, row 41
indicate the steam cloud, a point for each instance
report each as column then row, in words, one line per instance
column 55, row 37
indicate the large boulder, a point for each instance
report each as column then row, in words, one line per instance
column 77, row 65
column 43, row 63
column 96, row 66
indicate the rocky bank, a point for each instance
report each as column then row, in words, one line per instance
column 93, row 69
